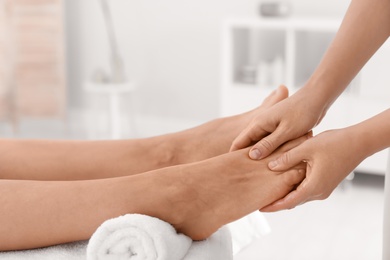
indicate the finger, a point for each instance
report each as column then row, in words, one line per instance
column 287, row 202
column 250, row 134
column 269, row 144
column 291, row 200
column 254, row 131
column 290, row 158
column 295, row 142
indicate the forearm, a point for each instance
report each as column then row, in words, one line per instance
column 372, row 135
column 365, row 27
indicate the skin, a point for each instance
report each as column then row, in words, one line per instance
column 365, row 27
column 196, row 199
column 46, row 202
column 335, row 154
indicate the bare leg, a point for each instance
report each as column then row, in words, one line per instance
column 197, row 198
column 82, row 160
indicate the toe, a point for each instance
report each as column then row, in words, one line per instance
column 293, row 177
column 277, row 95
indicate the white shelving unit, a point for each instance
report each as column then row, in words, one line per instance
column 260, row 54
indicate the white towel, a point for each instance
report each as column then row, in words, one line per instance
column 137, row 236
column 216, row 247
column 71, row 251
column 248, row 229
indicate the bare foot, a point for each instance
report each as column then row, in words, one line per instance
column 228, row 187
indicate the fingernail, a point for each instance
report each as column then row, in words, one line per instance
column 272, row 164
column 255, row 154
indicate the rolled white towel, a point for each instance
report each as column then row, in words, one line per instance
column 134, row 237
column 137, row 236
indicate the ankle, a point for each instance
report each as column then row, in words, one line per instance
column 178, row 200
column 199, row 215
column 163, row 151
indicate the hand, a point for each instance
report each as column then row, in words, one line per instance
column 330, row 157
column 286, row 120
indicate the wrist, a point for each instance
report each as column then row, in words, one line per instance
column 322, row 92
column 314, row 103
column 371, row 135
column 358, row 141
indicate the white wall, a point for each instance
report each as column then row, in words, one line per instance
column 171, row 48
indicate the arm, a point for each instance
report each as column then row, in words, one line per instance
column 330, row 157
column 365, row 28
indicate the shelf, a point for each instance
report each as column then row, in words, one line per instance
column 276, row 51
column 286, row 23
column 256, row 53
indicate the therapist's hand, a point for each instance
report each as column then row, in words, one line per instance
column 287, row 120
column 330, row 157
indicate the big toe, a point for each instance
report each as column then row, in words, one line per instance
column 276, row 96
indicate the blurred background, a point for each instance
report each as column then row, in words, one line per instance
column 96, row 69
column 171, row 54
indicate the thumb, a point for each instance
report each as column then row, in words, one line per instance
column 249, row 135
column 268, row 144
column 289, row 159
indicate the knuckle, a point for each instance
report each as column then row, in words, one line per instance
column 267, row 144
column 289, row 129
column 285, row 158
column 257, row 129
column 286, row 128
column 254, row 131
